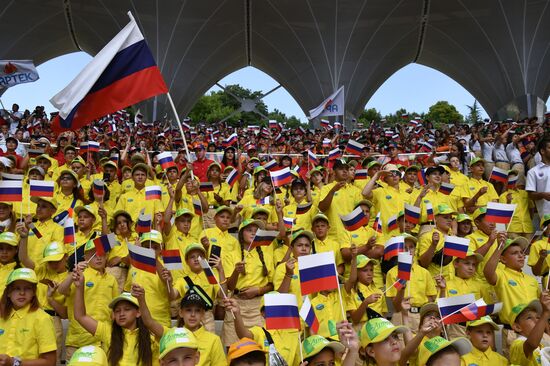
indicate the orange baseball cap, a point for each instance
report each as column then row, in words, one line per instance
column 243, row 347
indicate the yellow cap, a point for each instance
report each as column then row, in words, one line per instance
column 378, row 329
column 314, row 344
column 436, row 344
column 50, row 200
column 194, row 246
column 22, row 274
column 125, row 296
column 86, row 208
column 89, row 356
column 363, row 260
column 175, row 338
column 53, row 252
column 483, row 320
column 153, row 235
column 249, row 222
column 9, row 238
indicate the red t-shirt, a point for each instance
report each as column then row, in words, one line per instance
column 200, row 168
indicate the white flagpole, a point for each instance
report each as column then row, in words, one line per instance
column 181, row 130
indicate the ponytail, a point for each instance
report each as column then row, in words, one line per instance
column 261, row 255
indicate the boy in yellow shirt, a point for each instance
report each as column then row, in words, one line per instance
column 538, row 252
column 481, row 335
column 521, row 224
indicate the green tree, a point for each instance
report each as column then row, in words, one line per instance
column 369, row 115
column 398, row 116
column 474, row 115
column 443, row 112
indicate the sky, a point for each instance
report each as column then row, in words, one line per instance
column 399, row 91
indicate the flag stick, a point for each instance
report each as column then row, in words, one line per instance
column 21, row 219
column 340, row 294
column 441, row 269
column 92, row 257
column 443, row 325
column 181, row 130
column 387, row 289
column 300, row 347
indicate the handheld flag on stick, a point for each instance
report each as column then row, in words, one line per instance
column 11, row 191
column 206, row 187
column 312, row 158
column 197, row 207
column 68, row 231
column 98, row 189
column 456, row 246
column 449, row 308
column 281, row 311
column 271, row 165
column 430, row 212
column 123, row 73
column 263, row 238
column 499, row 175
column 412, row 214
column 152, row 193
column 399, row 284
column 144, row 223
column 104, row 243
column 41, row 188
column 308, row 315
column 512, row 182
column 377, row 225
column 264, row 201
column 143, row 258
column 208, row 271
column 35, row 230
column 9, row 176
column 355, row 219
column 500, row 213
column 281, row 177
column 354, row 148
column 317, row 272
column 166, row 160
column 232, row 178
column 289, row 222
column 172, row 259
column 392, row 223
column 393, row 247
column 422, row 177
column 446, row 188
column 404, row 265
column 334, row 154
column 361, row 174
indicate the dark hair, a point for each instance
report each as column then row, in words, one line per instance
column 225, row 162
column 127, row 216
column 250, row 358
column 106, row 195
column 542, row 144
column 6, row 306
column 145, row 354
column 310, row 359
column 258, row 249
column 445, row 351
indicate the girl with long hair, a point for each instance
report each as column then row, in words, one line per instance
column 117, row 260
column 69, row 193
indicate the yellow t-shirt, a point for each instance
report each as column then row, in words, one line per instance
column 99, row 290
column 343, row 202
column 5, row 270
column 198, row 279
column 302, row 220
column 354, row 301
column 424, row 242
column 223, row 239
column 50, row 232
column 477, row 239
column 44, row 273
column 418, row 288
column 521, row 221
column 327, row 308
column 388, row 201
column 435, row 198
column 286, row 343
column 197, row 222
column 130, row 345
column 250, row 203
column 534, row 254
column 65, row 202
column 27, row 334
column 210, row 348
column 254, row 276
column 474, row 185
column 517, row 356
column 294, row 288
column 514, row 288
column 487, row 358
column 134, row 201
column 360, row 237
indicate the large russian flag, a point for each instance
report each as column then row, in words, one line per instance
column 11, row 191
column 281, row 311
column 317, row 272
column 354, row 220
column 456, row 246
column 123, row 73
column 41, row 188
column 143, row 258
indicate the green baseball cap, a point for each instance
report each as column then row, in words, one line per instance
column 299, row 233
column 319, row 216
column 364, row 202
column 89, row 246
column 373, row 163
column 260, row 209
column 22, row 274
column 259, row 169
column 248, row 222
column 224, row 208
column 50, row 200
column 480, row 211
column 125, row 296
column 175, row 338
column 443, row 209
column 481, row 321
column 7, row 237
column 153, row 235
column 89, row 356
column 86, row 208
column 194, row 246
column 462, row 217
column 520, row 240
column 378, row 329
column 520, row 308
column 545, row 221
column 436, row 344
column 314, row 344
column 476, row 160
column 363, row 260
column 184, row 211
column 408, row 236
column 53, row 252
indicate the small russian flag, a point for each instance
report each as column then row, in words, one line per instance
column 312, row 158
column 143, row 224
column 68, row 231
column 422, row 177
column 273, row 124
column 512, row 182
column 404, row 265
column 500, row 213
column 8, row 176
column 326, row 143
column 281, row 177
column 302, row 209
column 271, row 165
column 354, row 220
column 317, row 272
column 264, row 201
column 499, row 175
column 98, row 188
column 449, row 308
column 263, row 238
column 93, row 146
column 361, row 174
column 143, row 258
column 456, row 246
column 231, row 140
column 289, row 222
column 104, row 243
column 152, row 193
column 334, row 154
column 206, row 187
column 489, row 309
column 172, row 259
column 281, row 311
column 11, row 191
column 430, row 212
column 232, row 178
column 165, row 160
column 41, row 188
column 399, row 284
column 35, row 230
column 377, row 225
column 412, row 214
column 354, row 148
column 197, row 207
column 324, row 123
column 208, row 271
column 446, row 188
column 308, row 315
column 393, row 247
column 392, row 223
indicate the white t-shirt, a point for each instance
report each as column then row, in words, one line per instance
column 538, row 180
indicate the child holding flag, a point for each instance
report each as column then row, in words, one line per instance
column 380, row 343
column 521, row 224
column 44, row 230
column 69, row 194
column 117, row 259
column 320, row 351
column 538, row 251
column 251, row 277
column 301, row 196
column 191, row 199
column 322, row 242
column 86, row 218
column 219, row 234
column 8, row 259
column 481, row 333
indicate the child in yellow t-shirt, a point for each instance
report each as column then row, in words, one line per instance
column 481, row 335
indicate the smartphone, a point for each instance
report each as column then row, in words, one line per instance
column 215, row 250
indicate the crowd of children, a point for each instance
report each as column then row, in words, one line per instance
column 120, row 312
